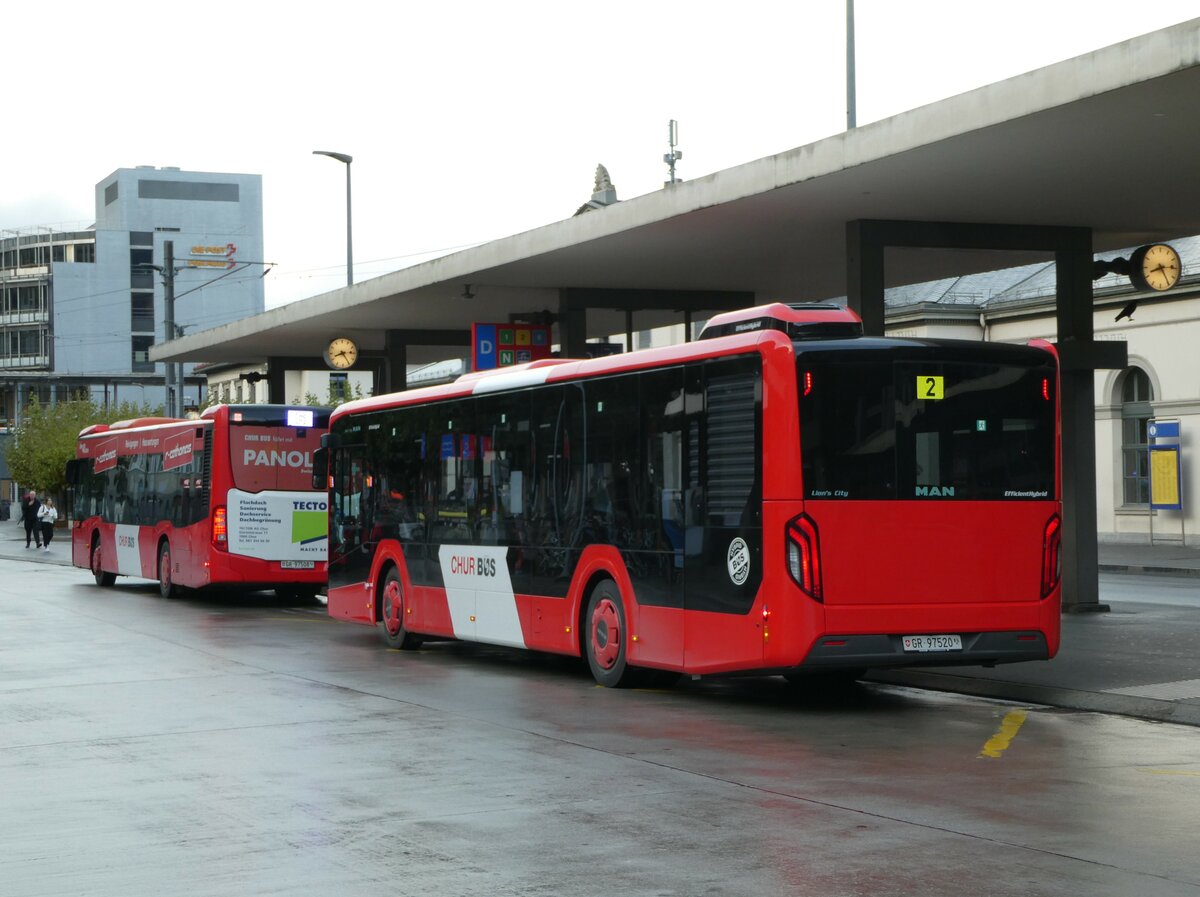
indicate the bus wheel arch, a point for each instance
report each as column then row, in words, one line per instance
column 166, row 582
column 604, row 632
column 390, row 609
column 96, row 562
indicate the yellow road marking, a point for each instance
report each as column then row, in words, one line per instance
column 1009, row 727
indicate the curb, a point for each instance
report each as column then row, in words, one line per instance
column 1148, row 569
column 1051, row 696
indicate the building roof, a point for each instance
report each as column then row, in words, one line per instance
column 1022, row 283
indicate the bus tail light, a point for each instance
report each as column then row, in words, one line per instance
column 220, row 528
column 804, row 556
column 1051, row 554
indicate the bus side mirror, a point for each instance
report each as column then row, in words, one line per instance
column 329, row 440
column 320, row 473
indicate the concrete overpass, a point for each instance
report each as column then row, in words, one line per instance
column 1092, row 154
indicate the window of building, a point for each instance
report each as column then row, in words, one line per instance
column 138, row 258
column 1136, row 411
column 141, row 317
column 339, row 386
column 195, row 191
column 141, row 344
column 85, row 252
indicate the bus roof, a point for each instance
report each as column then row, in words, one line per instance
column 134, row 423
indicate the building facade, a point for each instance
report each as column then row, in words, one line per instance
column 80, row 309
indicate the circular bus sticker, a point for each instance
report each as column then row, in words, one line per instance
column 737, row 561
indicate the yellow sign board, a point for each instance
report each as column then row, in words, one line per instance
column 931, row 387
column 1164, row 477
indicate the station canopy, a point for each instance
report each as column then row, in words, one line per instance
column 1108, row 141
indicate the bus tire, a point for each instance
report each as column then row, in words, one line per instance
column 606, row 637
column 391, row 614
column 166, row 584
column 102, row 577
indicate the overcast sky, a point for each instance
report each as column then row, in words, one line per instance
column 471, row 121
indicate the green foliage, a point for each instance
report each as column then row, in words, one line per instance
column 44, row 441
column 334, row 397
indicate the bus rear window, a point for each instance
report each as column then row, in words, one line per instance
column 926, row 430
column 273, row 457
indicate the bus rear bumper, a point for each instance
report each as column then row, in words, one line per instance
column 887, row 650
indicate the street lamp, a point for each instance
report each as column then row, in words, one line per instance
column 342, row 157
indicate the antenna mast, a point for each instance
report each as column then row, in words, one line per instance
column 674, row 155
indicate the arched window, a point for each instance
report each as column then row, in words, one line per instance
column 1136, row 411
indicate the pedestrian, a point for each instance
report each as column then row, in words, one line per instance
column 47, row 514
column 29, row 516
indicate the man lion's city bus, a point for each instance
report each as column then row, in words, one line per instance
column 222, row 500
column 783, row 495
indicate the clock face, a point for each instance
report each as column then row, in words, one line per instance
column 342, row 353
column 1158, row 267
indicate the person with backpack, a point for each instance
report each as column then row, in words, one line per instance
column 47, row 514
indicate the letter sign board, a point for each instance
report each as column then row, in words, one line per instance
column 501, row 345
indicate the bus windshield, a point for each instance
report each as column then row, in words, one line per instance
column 903, row 428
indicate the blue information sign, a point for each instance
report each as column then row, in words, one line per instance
column 1163, row 429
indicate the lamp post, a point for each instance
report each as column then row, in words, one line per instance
column 342, row 157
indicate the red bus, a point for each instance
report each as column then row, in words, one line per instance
column 783, row 495
column 222, row 500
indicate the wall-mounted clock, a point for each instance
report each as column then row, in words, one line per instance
column 341, row 353
column 1155, row 267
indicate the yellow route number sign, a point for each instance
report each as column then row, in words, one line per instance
column 929, row 387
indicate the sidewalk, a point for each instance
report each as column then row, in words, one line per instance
column 1139, row 659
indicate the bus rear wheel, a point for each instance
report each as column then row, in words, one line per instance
column 391, row 613
column 166, row 585
column 102, row 577
column 606, row 637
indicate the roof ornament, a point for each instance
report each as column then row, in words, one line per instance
column 603, row 192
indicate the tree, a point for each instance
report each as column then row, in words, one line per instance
column 44, row 441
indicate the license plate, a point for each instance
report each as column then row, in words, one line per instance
column 925, row 643
column 297, row 565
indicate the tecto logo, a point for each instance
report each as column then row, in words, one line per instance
column 310, row 506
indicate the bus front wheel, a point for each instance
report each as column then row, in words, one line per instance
column 102, row 577
column 166, row 585
column 391, row 613
column 606, row 637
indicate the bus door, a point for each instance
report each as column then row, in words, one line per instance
column 350, row 546
column 722, row 514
